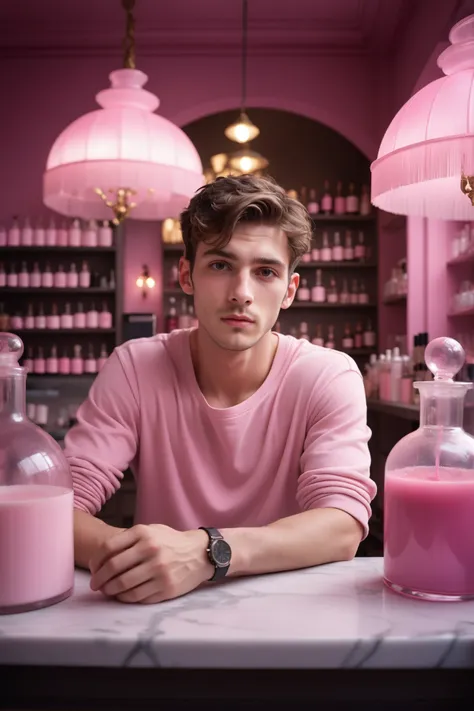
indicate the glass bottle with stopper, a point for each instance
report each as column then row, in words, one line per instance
column 429, row 490
column 36, row 499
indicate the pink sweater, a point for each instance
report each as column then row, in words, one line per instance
column 299, row 442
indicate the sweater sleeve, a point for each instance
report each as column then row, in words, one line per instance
column 100, row 447
column 335, row 464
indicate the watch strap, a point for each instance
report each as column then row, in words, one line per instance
column 214, row 535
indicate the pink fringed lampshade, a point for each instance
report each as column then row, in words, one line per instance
column 122, row 145
column 430, row 142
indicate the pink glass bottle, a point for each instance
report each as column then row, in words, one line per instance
column 47, row 276
column 84, row 276
column 75, row 234
column 38, row 234
column 23, row 276
column 12, row 277
column 79, row 318
column 65, row 363
column 51, row 234
column 13, row 239
column 39, row 363
column 92, row 317
column 429, row 490
column 62, row 235
column 105, row 235
column 67, row 319
column 105, row 317
column 26, row 237
column 90, row 363
column 77, row 361
column 60, row 279
column 30, row 317
column 35, row 276
column 40, row 318
column 72, row 277
column 17, row 322
column 52, row 365
column 102, row 357
column 52, row 319
column 36, row 500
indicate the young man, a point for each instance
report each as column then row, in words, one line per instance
column 260, row 436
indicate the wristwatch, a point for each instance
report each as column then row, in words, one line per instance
column 218, row 551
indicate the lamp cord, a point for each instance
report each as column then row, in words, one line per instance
column 244, row 54
column 129, row 39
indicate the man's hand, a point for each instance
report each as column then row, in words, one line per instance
column 150, row 564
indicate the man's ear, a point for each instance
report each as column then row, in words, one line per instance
column 291, row 291
column 185, row 278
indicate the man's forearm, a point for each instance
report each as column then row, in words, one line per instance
column 306, row 539
column 89, row 533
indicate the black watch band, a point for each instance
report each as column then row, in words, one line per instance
column 219, row 553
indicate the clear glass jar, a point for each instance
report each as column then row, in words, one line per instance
column 429, row 490
column 36, row 499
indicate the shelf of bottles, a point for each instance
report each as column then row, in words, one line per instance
column 58, row 291
column 461, row 273
column 336, row 302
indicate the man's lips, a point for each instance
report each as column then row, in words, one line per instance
column 241, row 319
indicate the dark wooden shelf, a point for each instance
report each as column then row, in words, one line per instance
column 343, row 218
column 51, row 331
column 325, row 305
column 55, row 290
column 178, row 247
column 398, row 299
column 398, row 409
column 461, row 259
column 463, row 312
column 337, row 265
column 26, row 250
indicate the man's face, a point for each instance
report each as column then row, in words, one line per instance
column 239, row 290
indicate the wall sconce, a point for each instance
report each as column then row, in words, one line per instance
column 145, row 281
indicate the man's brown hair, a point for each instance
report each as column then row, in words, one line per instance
column 218, row 207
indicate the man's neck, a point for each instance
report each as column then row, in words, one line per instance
column 227, row 378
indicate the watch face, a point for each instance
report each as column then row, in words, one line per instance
column 221, row 553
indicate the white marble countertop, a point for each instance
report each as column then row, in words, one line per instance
column 333, row 616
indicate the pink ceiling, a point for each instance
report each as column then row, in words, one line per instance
column 351, row 25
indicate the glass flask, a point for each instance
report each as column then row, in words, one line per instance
column 429, row 490
column 36, row 499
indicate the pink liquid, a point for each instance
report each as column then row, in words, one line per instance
column 429, row 541
column 36, row 546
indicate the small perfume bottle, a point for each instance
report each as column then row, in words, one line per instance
column 92, row 317
column 17, row 322
column 39, row 363
column 303, row 331
column 77, row 362
column 30, row 317
column 66, row 318
column 347, row 338
column 12, row 277
column 105, row 317
column 28, row 363
column 23, row 276
column 13, row 239
column 369, row 336
column 90, row 363
column 84, row 276
column 26, row 233
column 50, row 236
column 47, row 276
column 102, row 357
column 105, row 235
column 362, row 297
column 75, row 234
column 65, row 363
column 53, row 320
column 318, row 292
column 62, row 235
column 315, row 251
column 352, row 201
column 348, row 248
column 59, row 277
column 339, row 200
column 313, row 205
column 52, row 365
column 326, row 251
column 3, row 236
column 354, row 292
column 359, row 250
column 337, row 250
column 35, row 276
column 89, row 234
column 344, row 296
column 358, row 335
column 40, row 318
column 326, row 201
column 39, row 237
column 331, row 293
column 318, row 339
column 72, row 277
column 303, row 293
column 79, row 317
column 330, row 341
column 365, row 206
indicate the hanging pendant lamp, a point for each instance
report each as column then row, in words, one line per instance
column 246, row 161
column 425, row 164
column 122, row 160
column 243, row 130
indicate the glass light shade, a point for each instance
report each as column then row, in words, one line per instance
column 430, row 142
column 247, row 161
column 243, row 130
column 122, row 145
